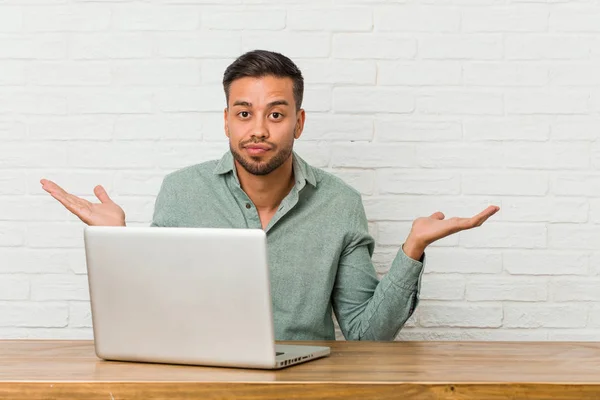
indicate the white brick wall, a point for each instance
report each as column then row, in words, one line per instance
column 421, row 105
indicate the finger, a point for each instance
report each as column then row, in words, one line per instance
column 101, row 194
column 52, row 187
column 438, row 215
column 69, row 202
column 479, row 219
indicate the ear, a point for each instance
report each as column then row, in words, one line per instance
column 300, row 119
column 225, row 123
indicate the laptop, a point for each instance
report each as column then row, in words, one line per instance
column 193, row 296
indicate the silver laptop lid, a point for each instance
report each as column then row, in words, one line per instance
column 181, row 295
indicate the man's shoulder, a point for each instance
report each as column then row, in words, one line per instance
column 332, row 184
column 201, row 171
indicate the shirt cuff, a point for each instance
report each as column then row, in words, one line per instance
column 406, row 272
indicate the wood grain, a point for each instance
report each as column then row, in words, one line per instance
column 408, row 370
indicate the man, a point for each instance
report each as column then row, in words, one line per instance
column 319, row 248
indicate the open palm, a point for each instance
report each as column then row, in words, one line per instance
column 105, row 213
column 435, row 227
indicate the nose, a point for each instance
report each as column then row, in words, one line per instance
column 260, row 129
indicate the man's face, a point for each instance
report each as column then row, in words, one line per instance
column 261, row 122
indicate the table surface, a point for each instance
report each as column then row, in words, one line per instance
column 427, row 369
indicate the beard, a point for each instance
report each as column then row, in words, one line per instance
column 254, row 165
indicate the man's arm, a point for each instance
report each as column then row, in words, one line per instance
column 368, row 309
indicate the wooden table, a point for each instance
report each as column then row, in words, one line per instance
column 355, row 370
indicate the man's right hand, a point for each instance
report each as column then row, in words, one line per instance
column 106, row 213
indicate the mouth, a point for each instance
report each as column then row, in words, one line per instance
column 257, row 149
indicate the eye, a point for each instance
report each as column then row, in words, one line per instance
column 277, row 115
column 244, row 114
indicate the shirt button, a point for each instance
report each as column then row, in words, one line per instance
column 248, row 205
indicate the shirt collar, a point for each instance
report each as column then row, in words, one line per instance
column 303, row 172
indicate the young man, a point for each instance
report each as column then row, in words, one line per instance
column 319, row 248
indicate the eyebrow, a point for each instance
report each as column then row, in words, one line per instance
column 271, row 104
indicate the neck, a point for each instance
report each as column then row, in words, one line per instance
column 267, row 191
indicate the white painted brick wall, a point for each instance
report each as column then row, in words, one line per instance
column 421, row 105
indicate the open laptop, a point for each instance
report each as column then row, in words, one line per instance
column 185, row 296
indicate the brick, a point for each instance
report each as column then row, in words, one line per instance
column 12, row 73
column 372, row 100
column 416, row 182
column 557, row 209
column 575, row 289
column 547, row 102
column 513, row 18
column 209, row 98
column 211, row 71
column 111, row 101
column 32, row 102
column 407, row 208
column 137, row 183
column 544, row 316
column 317, row 98
column 411, row 129
column 512, row 289
column 563, row 156
column 112, row 155
column 474, row 334
column 212, row 127
column 594, row 320
column 545, row 262
column 84, row 17
column 549, row 47
column 574, row 335
column 243, row 20
column 571, row 237
column 460, row 315
column 33, row 314
column 20, row 260
column 12, row 130
column 185, row 126
column 144, row 17
column 59, row 235
column 59, row 287
column 461, row 47
column 373, row 46
column 96, row 127
column 70, row 74
column 594, row 211
column 419, row 73
column 575, row 128
column 337, row 127
column 30, row 46
column 292, row 44
column 138, row 209
column 198, row 45
column 571, row 18
column 460, row 155
column 452, row 103
column 504, row 74
column 454, row 260
column 506, row 235
column 572, row 74
column 156, row 73
column 417, row 19
column 360, row 72
column 524, row 128
column 12, row 182
column 100, row 46
column 14, row 287
column 174, row 155
column 11, row 19
column 347, row 19
column 13, row 208
column 80, row 315
column 34, row 155
column 58, row 333
column 576, row 184
column 370, row 155
column 442, row 287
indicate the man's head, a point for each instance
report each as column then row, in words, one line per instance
column 263, row 117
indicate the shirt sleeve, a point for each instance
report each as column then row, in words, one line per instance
column 366, row 308
column 163, row 206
